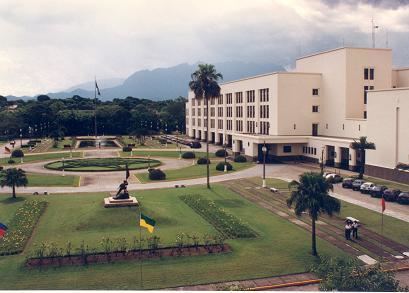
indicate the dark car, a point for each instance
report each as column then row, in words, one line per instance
column 403, row 198
column 356, row 185
column 391, row 194
column 195, row 145
column 377, row 190
column 347, row 183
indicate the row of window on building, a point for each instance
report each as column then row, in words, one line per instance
column 309, row 150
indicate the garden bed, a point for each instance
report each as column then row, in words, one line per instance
column 21, row 227
column 102, row 257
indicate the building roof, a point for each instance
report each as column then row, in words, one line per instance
column 342, row 48
column 271, row 73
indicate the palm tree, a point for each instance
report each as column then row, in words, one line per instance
column 361, row 145
column 13, row 177
column 204, row 85
column 310, row 195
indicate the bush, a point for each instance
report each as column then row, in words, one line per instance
column 188, row 155
column 11, row 161
column 127, row 149
column 156, row 174
column 1, row 168
column 202, row 161
column 195, row 145
column 240, row 159
column 220, row 166
column 221, row 153
column 17, row 154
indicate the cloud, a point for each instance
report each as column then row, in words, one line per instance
column 51, row 45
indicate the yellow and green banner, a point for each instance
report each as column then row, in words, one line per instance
column 147, row 223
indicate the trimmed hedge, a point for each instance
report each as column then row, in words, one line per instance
column 202, row 161
column 240, row 159
column 221, row 153
column 11, row 161
column 17, row 153
column 156, row 174
column 127, row 149
column 220, row 166
column 188, row 155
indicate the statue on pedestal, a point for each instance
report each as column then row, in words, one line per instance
column 123, row 191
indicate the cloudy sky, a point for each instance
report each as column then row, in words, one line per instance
column 49, row 45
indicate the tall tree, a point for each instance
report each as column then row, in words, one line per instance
column 204, row 85
column 310, row 195
column 13, row 177
column 361, row 146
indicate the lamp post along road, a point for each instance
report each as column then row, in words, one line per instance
column 63, row 165
column 225, row 158
column 264, row 150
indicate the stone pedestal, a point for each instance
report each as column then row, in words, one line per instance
column 110, row 202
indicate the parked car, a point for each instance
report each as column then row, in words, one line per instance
column 356, row 185
column 391, row 194
column 195, row 145
column 366, row 187
column 403, row 198
column 377, row 190
column 333, row 178
column 347, row 183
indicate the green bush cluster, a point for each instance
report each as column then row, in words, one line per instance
column 240, row 159
column 202, row 161
column 220, row 166
column 17, row 154
column 221, row 153
column 21, row 226
column 188, row 155
column 127, row 149
column 227, row 224
column 156, row 174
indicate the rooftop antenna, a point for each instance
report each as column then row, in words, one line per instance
column 387, row 40
column 374, row 27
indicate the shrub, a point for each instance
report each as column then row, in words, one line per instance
column 195, row 145
column 220, row 166
column 17, row 154
column 202, row 161
column 11, row 161
column 156, row 174
column 1, row 168
column 240, row 159
column 127, row 149
column 188, row 155
column 221, row 153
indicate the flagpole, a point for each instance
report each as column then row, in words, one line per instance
column 140, row 245
column 95, row 108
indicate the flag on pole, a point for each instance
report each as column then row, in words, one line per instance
column 97, row 88
column 147, row 223
column 383, row 204
column 3, row 230
column 7, row 150
column 127, row 174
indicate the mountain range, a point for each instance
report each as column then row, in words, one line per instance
column 160, row 83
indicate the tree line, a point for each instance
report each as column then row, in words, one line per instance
column 75, row 116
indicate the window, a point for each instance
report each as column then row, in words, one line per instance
column 251, row 97
column 365, row 115
column 263, row 95
column 314, row 129
column 366, row 73
column 212, row 111
column 287, row 149
column 220, row 124
column 239, row 98
column 365, row 94
column 315, row 92
column 211, row 123
column 229, row 99
column 315, row 109
column 220, row 100
column 295, row 126
column 371, row 74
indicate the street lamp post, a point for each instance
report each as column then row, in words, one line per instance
column 264, row 150
column 70, row 152
column 63, row 166
column 322, row 160
column 21, row 137
column 225, row 158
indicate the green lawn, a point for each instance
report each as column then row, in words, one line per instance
column 41, row 157
column 52, row 180
column 149, row 144
column 165, row 154
column 81, row 217
column 61, row 143
column 195, row 171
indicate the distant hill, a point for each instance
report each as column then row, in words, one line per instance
column 163, row 83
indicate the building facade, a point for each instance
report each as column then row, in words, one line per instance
column 313, row 112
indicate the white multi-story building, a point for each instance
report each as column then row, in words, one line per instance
column 315, row 112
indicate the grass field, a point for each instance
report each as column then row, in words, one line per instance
column 52, row 180
column 195, row 171
column 103, row 164
column 81, row 217
column 149, row 144
column 165, row 154
column 41, row 157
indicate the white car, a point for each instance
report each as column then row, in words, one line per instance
column 366, row 187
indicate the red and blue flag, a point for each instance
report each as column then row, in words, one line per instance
column 3, row 230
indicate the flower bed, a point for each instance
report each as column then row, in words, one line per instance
column 21, row 227
column 225, row 223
